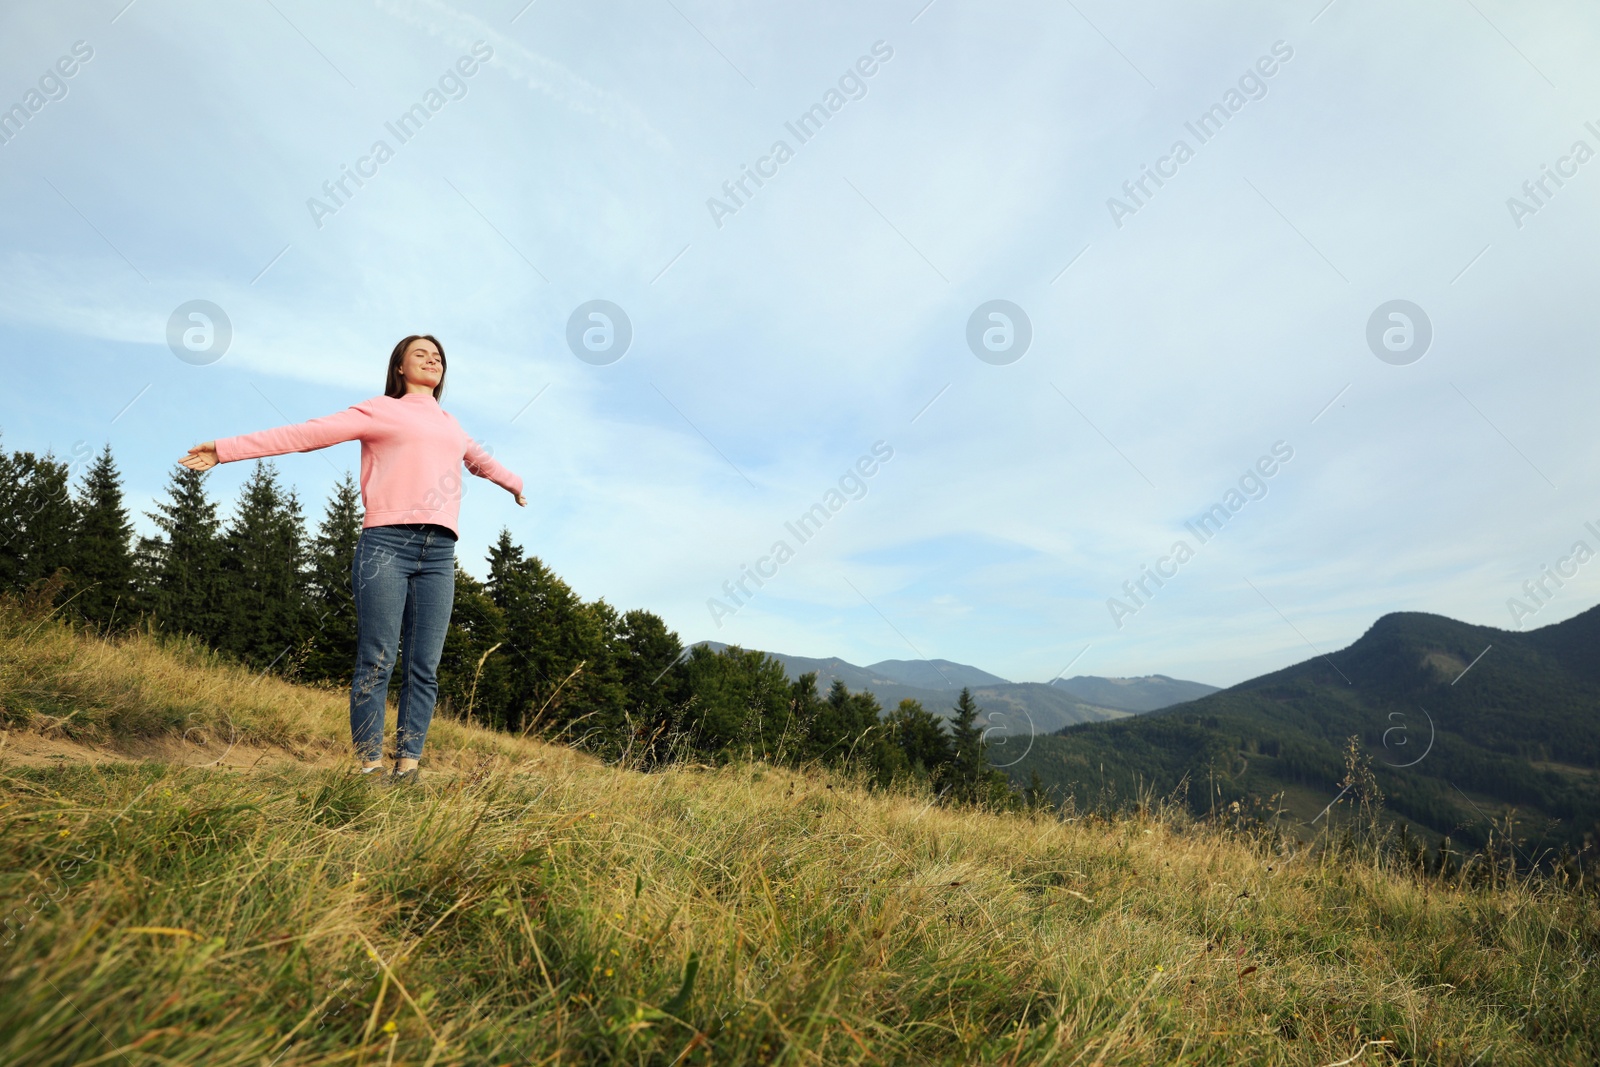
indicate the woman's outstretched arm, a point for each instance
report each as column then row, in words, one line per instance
column 346, row 425
column 482, row 464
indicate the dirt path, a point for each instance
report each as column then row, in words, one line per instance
column 27, row 748
column 23, row 748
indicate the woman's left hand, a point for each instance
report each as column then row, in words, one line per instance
column 522, row 501
column 201, row 457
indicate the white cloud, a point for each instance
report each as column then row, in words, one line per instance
column 1214, row 323
column 540, row 73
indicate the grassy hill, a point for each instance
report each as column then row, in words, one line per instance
column 190, row 874
column 1455, row 750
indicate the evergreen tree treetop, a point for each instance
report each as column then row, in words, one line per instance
column 265, row 569
column 102, row 555
column 329, row 604
column 182, row 566
column 40, row 519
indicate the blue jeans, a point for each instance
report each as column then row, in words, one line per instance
column 404, row 581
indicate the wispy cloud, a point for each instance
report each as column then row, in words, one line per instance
column 540, row 73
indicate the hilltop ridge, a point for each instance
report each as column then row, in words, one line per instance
column 1465, row 726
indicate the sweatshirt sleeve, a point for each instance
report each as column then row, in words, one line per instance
column 482, row 464
column 346, row 425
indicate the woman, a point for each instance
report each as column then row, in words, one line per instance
column 404, row 571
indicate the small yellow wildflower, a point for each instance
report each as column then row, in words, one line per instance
column 63, row 833
column 389, row 1027
column 608, row 972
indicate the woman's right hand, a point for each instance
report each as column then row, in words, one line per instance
column 201, row 457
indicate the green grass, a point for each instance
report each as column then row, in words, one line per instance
column 536, row 906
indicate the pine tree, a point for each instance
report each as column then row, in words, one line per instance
column 330, row 608
column 41, row 521
column 551, row 640
column 654, row 683
column 102, row 552
column 843, row 727
column 264, row 569
column 832, row 727
column 474, row 669
column 504, row 557
column 600, row 689
column 921, row 737
column 787, row 735
column 740, row 703
column 652, row 651
column 972, row 779
column 180, row 569
column 583, row 671
column 10, row 521
column 966, row 739
column 1034, row 796
column 870, row 745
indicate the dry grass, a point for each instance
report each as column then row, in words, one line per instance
column 541, row 908
column 58, row 682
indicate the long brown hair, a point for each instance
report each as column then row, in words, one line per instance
column 395, row 383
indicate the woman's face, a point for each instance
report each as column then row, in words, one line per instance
column 422, row 364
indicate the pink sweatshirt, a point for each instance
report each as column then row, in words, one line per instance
column 411, row 454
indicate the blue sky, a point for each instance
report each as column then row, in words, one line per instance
column 1174, row 338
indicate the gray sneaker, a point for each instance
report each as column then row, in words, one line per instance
column 404, row 777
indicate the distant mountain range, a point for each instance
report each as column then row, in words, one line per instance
column 1149, row 693
column 1019, row 708
column 1464, row 726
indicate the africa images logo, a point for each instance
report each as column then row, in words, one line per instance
column 852, row 85
column 1204, row 527
column 1252, row 85
column 852, row 485
column 451, row 86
